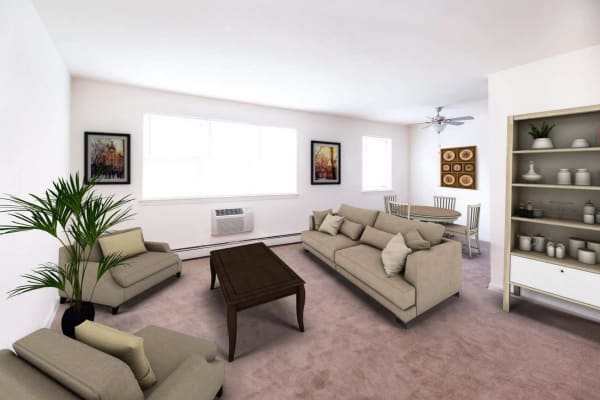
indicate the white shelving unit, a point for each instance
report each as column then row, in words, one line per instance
column 567, row 279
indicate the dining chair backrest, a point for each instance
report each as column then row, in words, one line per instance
column 473, row 217
column 386, row 201
column 444, row 202
column 400, row 209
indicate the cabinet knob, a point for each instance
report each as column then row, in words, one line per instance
column 562, row 270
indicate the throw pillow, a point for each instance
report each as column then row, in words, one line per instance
column 331, row 224
column 394, row 255
column 415, row 241
column 128, row 243
column 124, row 346
column 375, row 237
column 351, row 229
column 319, row 216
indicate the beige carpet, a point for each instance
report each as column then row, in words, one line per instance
column 466, row 348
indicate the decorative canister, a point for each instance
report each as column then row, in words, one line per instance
column 563, row 176
column 586, row 256
column 574, row 245
column 560, row 250
column 550, row 249
column 598, row 217
column 525, row 243
column 595, row 247
column 583, row 177
column 531, row 175
column 589, row 208
column 588, row 219
column 578, row 143
column 539, row 243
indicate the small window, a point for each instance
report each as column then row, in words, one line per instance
column 376, row 164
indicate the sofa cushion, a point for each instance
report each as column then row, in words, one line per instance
column 364, row 263
column 127, row 243
column 415, row 241
column 89, row 373
column 140, row 267
column 394, row 255
column 351, row 229
column 319, row 216
column 331, row 224
column 362, row 216
column 393, row 224
column 326, row 244
column 125, row 346
column 376, row 238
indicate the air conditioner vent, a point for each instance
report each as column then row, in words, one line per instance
column 229, row 221
column 229, row 211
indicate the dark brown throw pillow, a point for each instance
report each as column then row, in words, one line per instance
column 415, row 241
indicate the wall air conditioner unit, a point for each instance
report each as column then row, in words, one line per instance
column 229, row 221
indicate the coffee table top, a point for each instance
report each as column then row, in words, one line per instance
column 246, row 272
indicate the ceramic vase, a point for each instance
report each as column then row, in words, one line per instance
column 542, row 143
column 583, row 177
column 531, row 175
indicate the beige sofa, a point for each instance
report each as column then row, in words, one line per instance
column 138, row 274
column 430, row 276
column 48, row 365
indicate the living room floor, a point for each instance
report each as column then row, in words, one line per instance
column 465, row 348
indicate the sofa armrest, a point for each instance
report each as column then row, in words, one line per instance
column 436, row 273
column 195, row 378
column 160, row 247
column 311, row 222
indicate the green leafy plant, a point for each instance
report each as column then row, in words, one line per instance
column 75, row 215
column 541, row 132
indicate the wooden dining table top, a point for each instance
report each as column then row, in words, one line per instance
column 430, row 213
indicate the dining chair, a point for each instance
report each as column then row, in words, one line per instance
column 386, row 201
column 400, row 209
column 444, row 202
column 470, row 230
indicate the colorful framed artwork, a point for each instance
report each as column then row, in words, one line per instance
column 326, row 166
column 107, row 156
column 459, row 167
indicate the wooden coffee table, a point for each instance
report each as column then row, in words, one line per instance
column 251, row 275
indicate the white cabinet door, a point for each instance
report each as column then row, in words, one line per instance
column 561, row 281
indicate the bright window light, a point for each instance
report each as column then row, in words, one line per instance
column 377, row 164
column 188, row 157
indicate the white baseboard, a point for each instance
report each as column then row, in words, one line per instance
column 553, row 302
column 52, row 314
column 204, row 251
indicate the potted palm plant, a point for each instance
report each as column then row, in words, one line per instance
column 541, row 136
column 75, row 215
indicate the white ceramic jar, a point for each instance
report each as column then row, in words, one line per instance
column 525, row 243
column 550, row 249
column 564, row 176
column 598, row 217
column 542, row 143
column 583, row 177
column 588, row 219
column 560, row 250
column 586, row 256
column 574, row 245
column 589, row 208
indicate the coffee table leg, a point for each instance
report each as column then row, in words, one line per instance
column 213, row 274
column 300, row 307
column 232, row 330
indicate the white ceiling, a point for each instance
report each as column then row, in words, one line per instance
column 387, row 60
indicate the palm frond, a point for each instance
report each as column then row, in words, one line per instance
column 45, row 276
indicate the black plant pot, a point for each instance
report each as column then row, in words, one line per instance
column 75, row 315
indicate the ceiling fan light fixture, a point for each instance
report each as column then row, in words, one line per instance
column 438, row 128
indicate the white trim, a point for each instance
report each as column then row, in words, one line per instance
column 51, row 314
column 205, row 251
column 258, row 197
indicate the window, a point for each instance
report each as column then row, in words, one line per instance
column 377, row 163
column 190, row 157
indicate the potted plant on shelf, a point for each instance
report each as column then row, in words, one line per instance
column 541, row 136
column 75, row 215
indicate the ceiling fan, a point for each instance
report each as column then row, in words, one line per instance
column 439, row 122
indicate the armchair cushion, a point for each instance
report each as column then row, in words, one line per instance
column 142, row 266
column 128, row 243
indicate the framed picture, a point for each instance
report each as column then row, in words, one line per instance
column 326, row 164
column 459, row 167
column 108, row 157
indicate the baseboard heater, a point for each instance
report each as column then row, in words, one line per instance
column 187, row 253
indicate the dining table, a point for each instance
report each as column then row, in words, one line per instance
column 431, row 214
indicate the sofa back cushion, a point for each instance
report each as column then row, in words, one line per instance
column 362, row 216
column 319, row 217
column 352, row 229
column 376, row 238
column 89, row 373
column 393, row 224
column 128, row 243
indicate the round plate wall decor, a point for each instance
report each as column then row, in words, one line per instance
column 449, row 155
column 446, row 167
column 465, row 180
column 466, row 155
column 449, row 179
column 457, row 167
column 469, row 167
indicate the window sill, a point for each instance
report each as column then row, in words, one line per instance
column 377, row 191
column 220, row 199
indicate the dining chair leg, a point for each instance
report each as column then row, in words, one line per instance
column 469, row 246
column 478, row 244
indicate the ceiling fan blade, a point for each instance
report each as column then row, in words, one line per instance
column 455, row 123
column 465, row 118
column 426, row 125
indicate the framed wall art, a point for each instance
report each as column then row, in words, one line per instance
column 325, row 163
column 459, row 167
column 108, row 157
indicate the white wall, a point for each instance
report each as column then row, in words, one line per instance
column 568, row 80
column 106, row 107
column 34, row 138
column 424, row 170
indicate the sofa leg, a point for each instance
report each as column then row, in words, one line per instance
column 457, row 294
column 403, row 324
column 220, row 392
column 63, row 300
column 178, row 274
column 115, row 310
